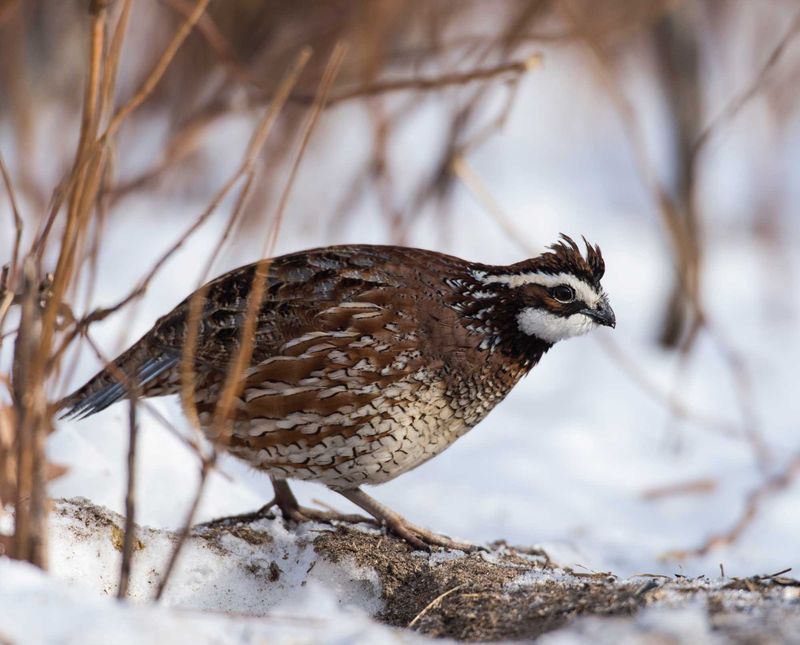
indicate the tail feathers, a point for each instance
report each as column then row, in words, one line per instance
column 104, row 389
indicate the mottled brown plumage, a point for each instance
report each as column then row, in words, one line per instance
column 366, row 360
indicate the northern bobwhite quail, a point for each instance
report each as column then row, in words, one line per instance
column 365, row 362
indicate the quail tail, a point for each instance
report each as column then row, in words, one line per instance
column 105, row 388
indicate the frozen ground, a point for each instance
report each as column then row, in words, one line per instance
column 258, row 582
column 563, row 463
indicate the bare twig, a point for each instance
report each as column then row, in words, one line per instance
column 732, row 109
column 184, row 533
column 17, row 224
column 752, row 506
column 434, row 603
column 420, row 84
column 255, row 145
column 473, row 181
column 209, row 30
column 158, row 70
column 694, row 487
column 316, row 109
column 177, row 147
column 254, row 298
column 685, row 243
column 254, row 148
column 129, row 539
column 181, row 143
column 30, row 528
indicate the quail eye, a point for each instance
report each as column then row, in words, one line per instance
column 563, row 293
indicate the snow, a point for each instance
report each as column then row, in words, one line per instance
column 224, row 590
column 257, row 581
column 229, row 574
column 684, row 625
column 75, row 617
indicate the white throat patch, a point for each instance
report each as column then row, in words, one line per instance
column 552, row 328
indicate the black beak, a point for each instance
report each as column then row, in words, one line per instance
column 603, row 315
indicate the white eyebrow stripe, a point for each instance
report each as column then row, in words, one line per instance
column 585, row 292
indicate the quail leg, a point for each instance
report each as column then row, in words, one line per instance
column 416, row 536
column 287, row 503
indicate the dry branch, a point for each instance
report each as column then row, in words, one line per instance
column 752, row 506
column 12, row 198
column 319, row 103
column 683, row 232
column 422, row 84
column 222, row 414
column 754, row 88
column 32, row 427
column 129, row 534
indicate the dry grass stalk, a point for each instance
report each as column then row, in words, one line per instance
column 681, row 222
column 753, row 89
column 423, row 84
column 32, row 427
column 129, row 538
column 693, row 487
column 34, row 361
column 8, row 470
column 246, row 169
column 434, row 603
column 321, row 100
column 9, row 186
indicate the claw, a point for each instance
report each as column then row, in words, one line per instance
column 418, row 537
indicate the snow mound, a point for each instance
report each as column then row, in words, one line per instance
column 269, row 581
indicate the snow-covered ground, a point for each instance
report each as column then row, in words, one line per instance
column 256, row 582
column 565, row 461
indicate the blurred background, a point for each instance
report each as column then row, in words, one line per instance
column 665, row 131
